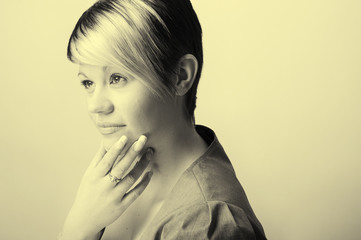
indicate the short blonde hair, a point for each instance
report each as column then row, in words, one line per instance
column 146, row 38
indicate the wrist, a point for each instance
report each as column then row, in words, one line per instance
column 76, row 230
column 68, row 234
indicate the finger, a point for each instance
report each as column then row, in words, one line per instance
column 132, row 177
column 120, row 169
column 109, row 158
column 133, row 194
column 120, row 156
column 98, row 156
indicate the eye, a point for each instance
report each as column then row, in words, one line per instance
column 87, row 84
column 117, row 80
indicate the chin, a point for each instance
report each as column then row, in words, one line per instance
column 107, row 146
column 109, row 140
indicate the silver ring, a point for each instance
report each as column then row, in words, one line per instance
column 113, row 178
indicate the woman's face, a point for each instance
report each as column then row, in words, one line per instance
column 122, row 105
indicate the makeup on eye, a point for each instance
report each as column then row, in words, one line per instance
column 86, row 84
column 117, row 79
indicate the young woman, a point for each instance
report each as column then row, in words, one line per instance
column 140, row 62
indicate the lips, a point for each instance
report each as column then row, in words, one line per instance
column 109, row 128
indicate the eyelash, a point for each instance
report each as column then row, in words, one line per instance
column 114, row 76
column 114, row 79
column 86, row 83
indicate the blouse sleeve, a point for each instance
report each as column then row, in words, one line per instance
column 212, row 220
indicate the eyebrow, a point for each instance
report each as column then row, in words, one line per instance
column 81, row 73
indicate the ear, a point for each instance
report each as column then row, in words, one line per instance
column 186, row 73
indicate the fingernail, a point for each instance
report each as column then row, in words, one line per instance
column 140, row 143
column 149, row 154
column 122, row 141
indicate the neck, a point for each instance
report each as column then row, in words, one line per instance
column 177, row 148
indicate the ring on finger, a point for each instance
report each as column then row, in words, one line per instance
column 114, row 178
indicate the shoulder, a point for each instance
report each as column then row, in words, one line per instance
column 208, row 202
column 210, row 178
column 214, row 176
column 208, row 220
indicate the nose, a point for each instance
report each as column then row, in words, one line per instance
column 100, row 103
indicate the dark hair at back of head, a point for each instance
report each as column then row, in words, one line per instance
column 185, row 37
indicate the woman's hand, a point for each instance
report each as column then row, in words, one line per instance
column 102, row 196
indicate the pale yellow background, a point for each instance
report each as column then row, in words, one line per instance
column 281, row 88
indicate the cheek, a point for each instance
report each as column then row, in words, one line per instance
column 143, row 115
column 92, row 117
